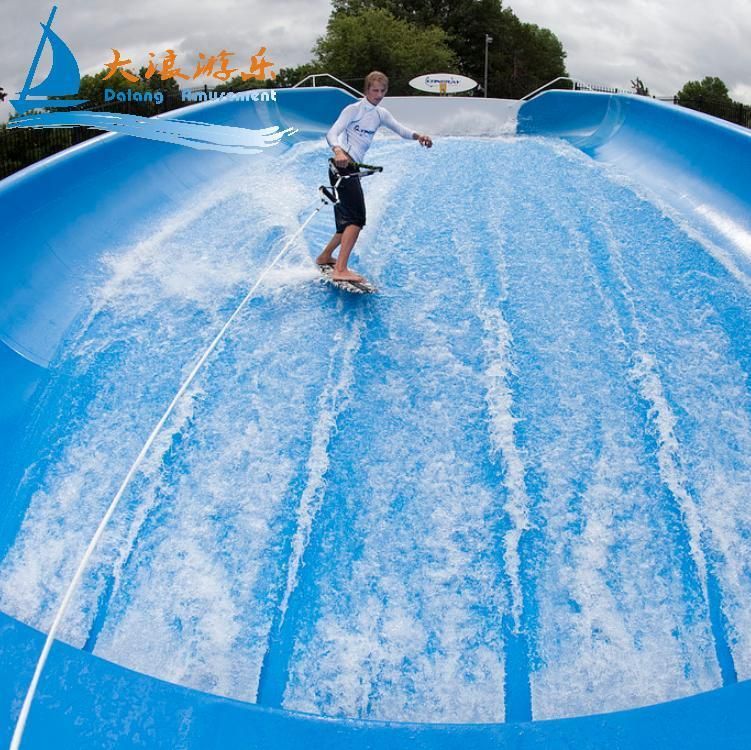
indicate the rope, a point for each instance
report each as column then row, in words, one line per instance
column 23, row 715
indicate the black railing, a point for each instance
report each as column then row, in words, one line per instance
column 20, row 147
column 734, row 112
column 564, row 83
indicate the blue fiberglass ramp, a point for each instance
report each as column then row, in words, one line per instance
column 500, row 504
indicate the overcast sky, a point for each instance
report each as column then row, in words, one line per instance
column 664, row 42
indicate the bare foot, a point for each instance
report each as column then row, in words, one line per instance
column 323, row 260
column 347, row 275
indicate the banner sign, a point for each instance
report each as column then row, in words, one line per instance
column 442, row 83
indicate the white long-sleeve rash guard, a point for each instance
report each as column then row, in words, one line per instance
column 357, row 124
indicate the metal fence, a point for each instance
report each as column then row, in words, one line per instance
column 735, row 112
column 564, row 83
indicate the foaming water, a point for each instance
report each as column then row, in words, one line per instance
column 511, row 485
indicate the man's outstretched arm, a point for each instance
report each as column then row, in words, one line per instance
column 391, row 123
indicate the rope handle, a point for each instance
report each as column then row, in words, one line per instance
column 369, row 167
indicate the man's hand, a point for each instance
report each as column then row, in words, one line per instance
column 424, row 140
column 341, row 157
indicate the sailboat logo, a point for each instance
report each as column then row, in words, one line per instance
column 63, row 78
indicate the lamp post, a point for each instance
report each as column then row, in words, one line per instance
column 488, row 40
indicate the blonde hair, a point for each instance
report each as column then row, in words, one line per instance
column 374, row 76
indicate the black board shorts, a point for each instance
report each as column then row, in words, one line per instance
column 350, row 210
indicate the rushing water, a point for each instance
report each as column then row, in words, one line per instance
column 511, row 485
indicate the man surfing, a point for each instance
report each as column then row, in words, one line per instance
column 350, row 137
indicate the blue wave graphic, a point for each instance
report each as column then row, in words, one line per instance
column 198, row 135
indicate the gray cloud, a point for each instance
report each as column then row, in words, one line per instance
column 664, row 42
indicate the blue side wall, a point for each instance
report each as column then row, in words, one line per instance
column 696, row 163
column 57, row 217
column 85, row 703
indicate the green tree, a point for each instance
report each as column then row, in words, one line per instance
column 291, row 76
column 522, row 56
column 372, row 38
column 537, row 58
column 284, row 77
column 708, row 95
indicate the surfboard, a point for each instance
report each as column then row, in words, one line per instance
column 354, row 287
